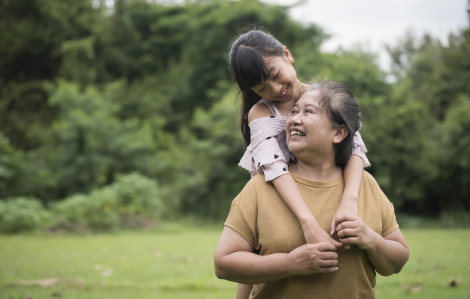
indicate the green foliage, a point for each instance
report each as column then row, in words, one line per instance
column 455, row 157
column 429, row 173
column 10, row 159
column 94, row 89
column 209, row 180
column 81, row 212
column 22, row 214
column 88, row 144
column 137, row 195
column 357, row 69
column 132, row 201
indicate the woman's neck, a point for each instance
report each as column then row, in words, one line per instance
column 319, row 172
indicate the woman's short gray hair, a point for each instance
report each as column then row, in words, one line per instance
column 342, row 108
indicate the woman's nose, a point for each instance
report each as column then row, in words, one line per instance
column 296, row 119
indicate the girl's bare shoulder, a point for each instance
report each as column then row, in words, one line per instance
column 259, row 110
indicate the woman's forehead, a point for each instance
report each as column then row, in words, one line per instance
column 312, row 97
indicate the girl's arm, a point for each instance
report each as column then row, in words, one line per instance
column 243, row 291
column 289, row 192
column 352, row 183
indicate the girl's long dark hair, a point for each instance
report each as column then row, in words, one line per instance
column 247, row 65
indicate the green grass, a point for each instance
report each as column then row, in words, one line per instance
column 176, row 261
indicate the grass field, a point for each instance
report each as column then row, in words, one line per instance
column 176, row 261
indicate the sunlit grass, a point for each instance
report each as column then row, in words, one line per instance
column 176, row 261
column 439, row 266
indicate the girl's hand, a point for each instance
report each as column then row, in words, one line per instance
column 353, row 230
column 347, row 208
column 313, row 234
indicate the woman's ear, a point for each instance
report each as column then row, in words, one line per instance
column 288, row 55
column 340, row 134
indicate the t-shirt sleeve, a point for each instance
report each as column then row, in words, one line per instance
column 242, row 216
column 359, row 148
column 389, row 220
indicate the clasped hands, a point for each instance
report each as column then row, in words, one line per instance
column 319, row 254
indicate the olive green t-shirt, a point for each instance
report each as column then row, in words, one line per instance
column 260, row 216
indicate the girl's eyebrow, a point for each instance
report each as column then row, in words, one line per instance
column 270, row 70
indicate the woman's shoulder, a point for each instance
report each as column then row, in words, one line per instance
column 260, row 109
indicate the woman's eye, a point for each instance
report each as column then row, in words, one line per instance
column 277, row 75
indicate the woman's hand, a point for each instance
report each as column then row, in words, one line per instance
column 353, row 230
column 310, row 259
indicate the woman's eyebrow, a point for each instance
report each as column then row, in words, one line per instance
column 312, row 105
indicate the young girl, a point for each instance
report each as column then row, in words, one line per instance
column 262, row 67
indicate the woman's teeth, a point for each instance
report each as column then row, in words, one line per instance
column 296, row 133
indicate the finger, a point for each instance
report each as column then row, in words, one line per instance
column 349, row 241
column 336, row 243
column 325, row 246
column 345, row 217
column 329, row 263
column 328, row 269
column 332, row 226
column 329, row 256
column 347, row 232
column 345, row 225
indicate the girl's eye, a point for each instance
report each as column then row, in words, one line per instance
column 293, row 112
column 277, row 75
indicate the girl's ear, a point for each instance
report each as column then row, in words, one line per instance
column 288, row 55
column 340, row 134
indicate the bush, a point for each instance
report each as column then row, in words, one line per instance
column 138, row 195
column 82, row 212
column 22, row 214
column 132, row 201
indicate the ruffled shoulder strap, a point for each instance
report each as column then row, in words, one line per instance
column 271, row 107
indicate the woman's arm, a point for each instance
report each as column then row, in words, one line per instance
column 289, row 192
column 234, row 260
column 352, row 183
column 387, row 254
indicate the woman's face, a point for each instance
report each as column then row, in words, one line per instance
column 308, row 128
column 282, row 82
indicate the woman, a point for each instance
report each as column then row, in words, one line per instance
column 262, row 242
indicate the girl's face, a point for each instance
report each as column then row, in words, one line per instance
column 308, row 128
column 282, row 84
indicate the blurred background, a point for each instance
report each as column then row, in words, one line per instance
column 123, row 114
